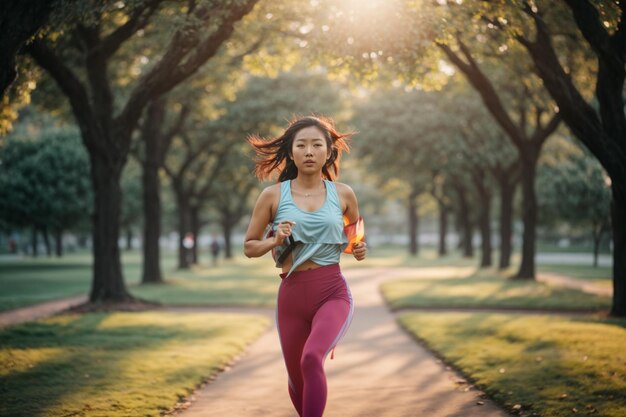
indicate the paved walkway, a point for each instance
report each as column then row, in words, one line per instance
column 378, row 371
column 21, row 315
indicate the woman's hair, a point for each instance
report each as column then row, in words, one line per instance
column 274, row 154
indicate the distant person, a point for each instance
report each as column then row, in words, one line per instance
column 215, row 250
column 12, row 246
column 306, row 212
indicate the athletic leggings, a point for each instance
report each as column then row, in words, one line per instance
column 314, row 311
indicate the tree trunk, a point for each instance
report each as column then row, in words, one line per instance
column 46, row 241
column 484, row 220
column 129, row 238
column 108, row 280
column 466, row 223
column 413, row 226
column 228, row 231
column 34, row 242
column 195, row 229
column 184, row 227
column 443, row 228
column 58, row 235
column 154, row 145
column 152, row 217
column 596, row 249
column 507, row 193
column 529, row 218
column 459, row 228
column 618, row 208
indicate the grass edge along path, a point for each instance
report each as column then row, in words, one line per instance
column 549, row 366
column 117, row 364
column 487, row 289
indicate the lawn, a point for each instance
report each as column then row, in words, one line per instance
column 487, row 288
column 240, row 281
column 550, row 366
column 253, row 282
column 116, row 364
column 598, row 275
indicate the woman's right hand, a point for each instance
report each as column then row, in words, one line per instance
column 283, row 231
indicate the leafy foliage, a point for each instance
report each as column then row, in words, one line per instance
column 574, row 189
column 44, row 180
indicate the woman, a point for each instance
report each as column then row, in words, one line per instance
column 306, row 212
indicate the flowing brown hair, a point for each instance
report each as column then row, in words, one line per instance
column 273, row 154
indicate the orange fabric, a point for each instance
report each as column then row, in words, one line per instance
column 355, row 232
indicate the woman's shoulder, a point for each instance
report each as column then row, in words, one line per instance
column 343, row 189
column 274, row 188
column 270, row 192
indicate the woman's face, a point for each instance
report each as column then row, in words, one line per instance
column 309, row 150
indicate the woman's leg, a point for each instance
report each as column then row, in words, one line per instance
column 293, row 332
column 329, row 323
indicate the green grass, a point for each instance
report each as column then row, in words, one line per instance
column 486, row 288
column 116, row 364
column 240, row 281
column 600, row 275
column 28, row 281
column 398, row 256
column 548, row 365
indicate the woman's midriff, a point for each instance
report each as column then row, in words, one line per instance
column 304, row 266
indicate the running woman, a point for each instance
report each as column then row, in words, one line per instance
column 306, row 212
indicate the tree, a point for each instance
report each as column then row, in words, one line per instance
column 44, row 183
column 577, row 48
column 106, row 119
column 155, row 140
column 167, row 116
column 400, row 137
column 132, row 203
column 573, row 190
column 231, row 193
column 542, row 121
column 489, row 158
column 600, row 127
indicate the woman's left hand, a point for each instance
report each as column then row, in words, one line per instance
column 359, row 250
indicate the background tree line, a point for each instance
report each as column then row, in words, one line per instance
column 147, row 80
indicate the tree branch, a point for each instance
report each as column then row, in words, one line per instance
column 579, row 115
column 171, row 70
column 588, row 21
column 542, row 133
column 173, row 131
column 486, row 90
column 204, row 191
column 138, row 19
column 67, row 81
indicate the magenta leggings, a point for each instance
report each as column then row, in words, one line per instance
column 314, row 311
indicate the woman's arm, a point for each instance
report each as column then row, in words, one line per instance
column 255, row 245
column 351, row 211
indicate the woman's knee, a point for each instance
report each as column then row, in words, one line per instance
column 311, row 361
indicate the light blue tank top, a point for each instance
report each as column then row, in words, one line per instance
column 320, row 232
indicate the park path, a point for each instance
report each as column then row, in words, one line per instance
column 45, row 309
column 378, row 370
